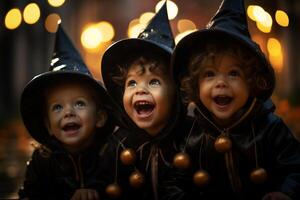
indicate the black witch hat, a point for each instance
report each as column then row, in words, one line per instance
column 229, row 22
column 157, row 38
column 66, row 64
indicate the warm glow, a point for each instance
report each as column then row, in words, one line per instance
column 185, row 25
column 182, row 35
column 31, row 13
column 135, row 30
column 13, row 18
column 171, row 7
column 258, row 13
column 277, row 62
column 264, row 23
column 282, row 18
column 133, row 23
column 107, row 31
column 260, row 41
column 91, row 37
column 250, row 12
column 51, row 22
column 146, row 17
column 275, row 54
column 56, row 3
column 274, row 47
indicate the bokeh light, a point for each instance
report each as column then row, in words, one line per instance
column 264, row 22
column 275, row 54
column 91, row 37
column 107, row 31
column 171, row 7
column 185, row 25
column 13, row 18
column 146, row 17
column 282, row 18
column 51, row 22
column 31, row 13
column 56, row 3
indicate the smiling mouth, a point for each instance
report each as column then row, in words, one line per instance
column 71, row 127
column 222, row 100
column 144, row 107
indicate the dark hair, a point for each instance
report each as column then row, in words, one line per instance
column 257, row 80
column 156, row 63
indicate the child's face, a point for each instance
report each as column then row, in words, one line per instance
column 223, row 89
column 72, row 115
column 148, row 98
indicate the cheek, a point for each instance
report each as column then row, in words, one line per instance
column 126, row 101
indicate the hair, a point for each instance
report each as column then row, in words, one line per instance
column 208, row 56
column 157, row 64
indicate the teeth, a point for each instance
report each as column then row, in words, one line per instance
column 143, row 103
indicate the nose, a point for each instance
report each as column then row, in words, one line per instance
column 69, row 111
column 141, row 89
column 221, row 82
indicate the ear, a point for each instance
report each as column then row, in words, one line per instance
column 101, row 118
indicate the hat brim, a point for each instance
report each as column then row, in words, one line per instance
column 32, row 100
column 188, row 44
column 118, row 53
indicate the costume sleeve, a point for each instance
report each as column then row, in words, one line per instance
column 36, row 183
column 286, row 149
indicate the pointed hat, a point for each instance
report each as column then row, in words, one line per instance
column 156, row 38
column 66, row 64
column 230, row 21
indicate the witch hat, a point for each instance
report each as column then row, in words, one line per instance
column 157, row 38
column 229, row 22
column 66, row 64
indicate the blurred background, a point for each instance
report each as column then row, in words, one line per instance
column 27, row 31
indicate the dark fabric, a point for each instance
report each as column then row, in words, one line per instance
column 278, row 152
column 55, row 174
column 146, row 149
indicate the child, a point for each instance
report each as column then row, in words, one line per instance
column 239, row 149
column 64, row 110
column 149, row 110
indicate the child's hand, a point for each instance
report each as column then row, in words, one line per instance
column 85, row 194
column 276, row 196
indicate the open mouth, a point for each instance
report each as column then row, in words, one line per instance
column 144, row 107
column 222, row 100
column 71, row 127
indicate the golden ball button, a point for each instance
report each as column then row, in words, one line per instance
column 127, row 156
column 181, row 160
column 201, row 178
column 136, row 179
column 258, row 175
column 223, row 144
column 113, row 190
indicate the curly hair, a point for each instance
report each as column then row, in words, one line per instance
column 256, row 78
column 156, row 64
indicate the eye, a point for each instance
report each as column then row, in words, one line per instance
column 56, row 107
column 234, row 73
column 208, row 74
column 154, row 82
column 80, row 104
column 131, row 83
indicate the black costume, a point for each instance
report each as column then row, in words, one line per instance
column 53, row 173
column 260, row 140
column 154, row 154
